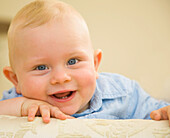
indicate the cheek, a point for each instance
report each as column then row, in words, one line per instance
column 32, row 87
column 86, row 79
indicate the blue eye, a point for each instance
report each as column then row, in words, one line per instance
column 41, row 67
column 72, row 61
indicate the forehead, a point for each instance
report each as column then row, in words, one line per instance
column 54, row 35
column 66, row 31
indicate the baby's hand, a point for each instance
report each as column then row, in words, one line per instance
column 161, row 114
column 31, row 108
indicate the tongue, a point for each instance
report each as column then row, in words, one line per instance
column 59, row 95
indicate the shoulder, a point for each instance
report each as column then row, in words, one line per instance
column 11, row 93
column 112, row 77
column 114, row 84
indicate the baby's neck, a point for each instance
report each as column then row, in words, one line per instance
column 84, row 108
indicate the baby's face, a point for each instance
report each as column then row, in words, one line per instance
column 55, row 63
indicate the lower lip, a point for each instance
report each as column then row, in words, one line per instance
column 65, row 99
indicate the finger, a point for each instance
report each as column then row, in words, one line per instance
column 32, row 110
column 156, row 115
column 45, row 113
column 164, row 114
column 24, row 110
column 168, row 112
column 55, row 112
column 70, row 117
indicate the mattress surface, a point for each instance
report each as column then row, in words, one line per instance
column 19, row 127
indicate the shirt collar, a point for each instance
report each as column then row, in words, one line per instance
column 106, row 88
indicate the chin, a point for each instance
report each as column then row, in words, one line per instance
column 69, row 110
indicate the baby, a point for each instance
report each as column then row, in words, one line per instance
column 54, row 70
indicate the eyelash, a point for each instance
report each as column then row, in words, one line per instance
column 76, row 61
column 37, row 68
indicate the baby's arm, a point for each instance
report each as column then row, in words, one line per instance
column 22, row 106
column 11, row 106
column 161, row 114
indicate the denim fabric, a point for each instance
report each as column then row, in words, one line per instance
column 117, row 97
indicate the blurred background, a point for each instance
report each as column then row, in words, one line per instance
column 134, row 36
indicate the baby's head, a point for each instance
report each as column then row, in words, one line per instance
column 51, row 56
column 36, row 14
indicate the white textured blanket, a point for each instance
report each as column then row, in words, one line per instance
column 19, row 127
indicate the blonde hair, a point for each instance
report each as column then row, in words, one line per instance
column 40, row 12
column 36, row 14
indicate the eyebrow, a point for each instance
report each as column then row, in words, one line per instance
column 76, row 52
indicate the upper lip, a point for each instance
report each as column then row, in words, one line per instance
column 62, row 91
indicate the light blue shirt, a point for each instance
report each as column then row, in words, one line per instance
column 115, row 97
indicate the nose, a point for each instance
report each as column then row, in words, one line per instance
column 59, row 76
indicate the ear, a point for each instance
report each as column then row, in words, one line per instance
column 97, row 60
column 11, row 76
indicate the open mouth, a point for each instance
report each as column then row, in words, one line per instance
column 64, row 95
